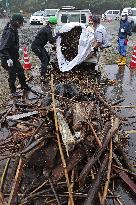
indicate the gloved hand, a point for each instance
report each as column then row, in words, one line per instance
column 122, row 30
column 57, row 34
column 126, row 42
column 10, row 62
column 93, row 49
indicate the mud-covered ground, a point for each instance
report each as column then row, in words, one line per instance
column 27, row 34
column 123, row 90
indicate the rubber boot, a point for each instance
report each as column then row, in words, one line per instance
column 123, row 62
column 119, row 60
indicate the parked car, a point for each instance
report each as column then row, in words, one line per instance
column 132, row 18
column 67, row 15
column 111, row 14
column 126, row 11
column 37, row 18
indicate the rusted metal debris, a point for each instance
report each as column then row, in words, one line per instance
column 63, row 158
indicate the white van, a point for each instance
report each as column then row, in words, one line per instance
column 111, row 14
column 67, row 15
column 50, row 12
column 126, row 11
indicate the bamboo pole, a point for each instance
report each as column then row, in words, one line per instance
column 72, row 184
column 16, row 182
column 125, row 170
column 94, row 133
column 130, row 131
column 59, row 144
column 124, row 106
column 4, row 174
column 108, row 175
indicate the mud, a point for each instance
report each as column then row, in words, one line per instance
column 123, row 89
column 28, row 32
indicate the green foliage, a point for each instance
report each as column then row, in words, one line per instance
column 96, row 6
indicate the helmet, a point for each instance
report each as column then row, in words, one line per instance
column 52, row 20
column 96, row 19
column 17, row 17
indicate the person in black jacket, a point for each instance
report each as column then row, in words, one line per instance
column 125, row 30
column 9, row 53
column 41, row 39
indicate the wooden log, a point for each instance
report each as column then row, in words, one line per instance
column 32, row 145
column 123, row 158
column 126, row 179
column 98, row 152
column 125, row 170
column 35, row 132
column 108, row 176
column 58, row 172
column 94, row 188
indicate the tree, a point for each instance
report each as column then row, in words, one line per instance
column 96, row 6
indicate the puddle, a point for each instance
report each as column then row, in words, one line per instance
column 125, row 89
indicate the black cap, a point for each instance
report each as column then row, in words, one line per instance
column 17, row 17
column 96, row 19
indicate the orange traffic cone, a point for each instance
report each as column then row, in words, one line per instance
column 27, row 65
column 133, row 60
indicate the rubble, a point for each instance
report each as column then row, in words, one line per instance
column 69, row 152
column 70, row 42
column 71, row 157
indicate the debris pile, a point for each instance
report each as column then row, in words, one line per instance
column 70, row 42
column 64, row 146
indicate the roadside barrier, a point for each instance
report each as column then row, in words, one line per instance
column 27, row 65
